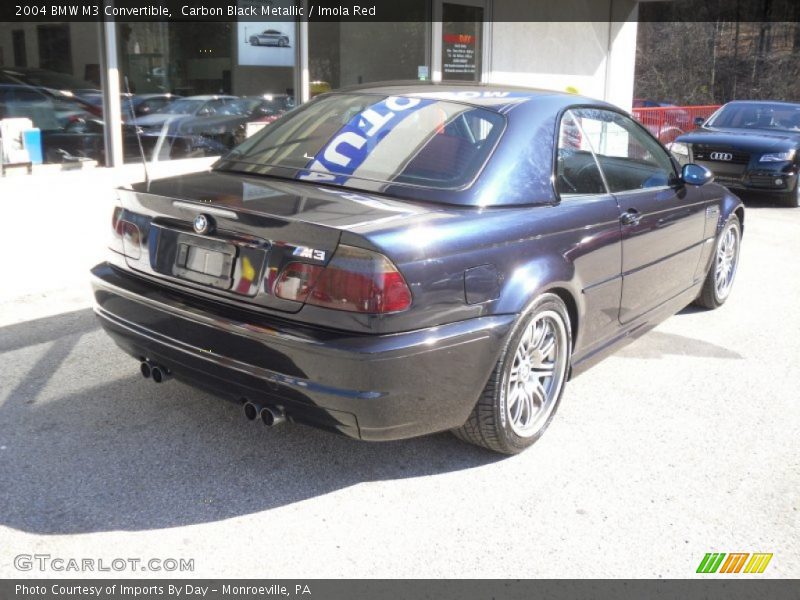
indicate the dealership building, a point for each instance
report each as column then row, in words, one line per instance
column 51, row 72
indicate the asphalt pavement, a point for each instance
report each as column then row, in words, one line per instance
column 683, row 443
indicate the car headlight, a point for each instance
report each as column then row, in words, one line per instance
column 777, row 156
column 678, row 148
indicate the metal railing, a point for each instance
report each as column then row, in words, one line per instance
column 668, row 122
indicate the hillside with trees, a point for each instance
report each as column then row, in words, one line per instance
column 718, row 56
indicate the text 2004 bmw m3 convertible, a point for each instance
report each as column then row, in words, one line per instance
column 396, row 260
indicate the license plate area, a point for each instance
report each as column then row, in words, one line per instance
column 205, row 261
column 228, row 262
column 197, row 259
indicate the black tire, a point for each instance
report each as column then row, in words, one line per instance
column 709, row 296
column 489, row 424
column 792, row 199
column 254, row 41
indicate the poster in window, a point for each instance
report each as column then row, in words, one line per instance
column 459, row 56
column 266, row 43
column 461, row 42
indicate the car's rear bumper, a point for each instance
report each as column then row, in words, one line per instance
column 373, row 387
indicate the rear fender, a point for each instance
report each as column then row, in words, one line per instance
column 537, row 276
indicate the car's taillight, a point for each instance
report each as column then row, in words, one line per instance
column 131, row 240
column 355, row 280
column 115, row 243
column 125, row 236
column 296, row 281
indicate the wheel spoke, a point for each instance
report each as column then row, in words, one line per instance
column 528, row 387
column 547, row 345
column 537, row 334
column 544, row 369
column 528, row 412
column 540, row 393
column 520, row 356
column 514, row 403
column 525, row 340
column 545, row 337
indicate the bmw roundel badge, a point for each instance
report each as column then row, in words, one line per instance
column 203, row 224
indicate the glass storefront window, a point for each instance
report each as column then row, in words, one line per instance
column 187, row 89
column 348, row 53
column 198, row 89
column 50, row 93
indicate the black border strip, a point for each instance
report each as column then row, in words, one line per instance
column 712, row 588
column 367, row 11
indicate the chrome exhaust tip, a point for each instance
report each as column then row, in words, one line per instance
column 251, row 410
column 271, row 417
column 159, row 373
column 144, row 367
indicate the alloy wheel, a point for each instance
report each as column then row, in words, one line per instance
column 537, row 373
column 727, row 260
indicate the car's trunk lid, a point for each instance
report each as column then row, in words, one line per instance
column 256, row 227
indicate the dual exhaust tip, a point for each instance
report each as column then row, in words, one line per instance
column 157, row 372
column 269, row 416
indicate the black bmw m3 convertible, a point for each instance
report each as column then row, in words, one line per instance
column 401, row 259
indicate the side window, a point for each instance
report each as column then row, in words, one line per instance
column 211, row 107
column 630, row 159
column 576, row 167
column 36, row 106
column 153, row 105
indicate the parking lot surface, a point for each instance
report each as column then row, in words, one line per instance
column 683, row 443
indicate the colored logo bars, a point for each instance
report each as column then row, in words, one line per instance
column 736, row 562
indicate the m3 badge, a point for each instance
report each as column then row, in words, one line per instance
column 306, row 252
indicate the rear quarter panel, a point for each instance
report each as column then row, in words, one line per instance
column 573, row 246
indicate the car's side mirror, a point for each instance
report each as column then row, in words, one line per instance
column 699, row 121
column 696, row 174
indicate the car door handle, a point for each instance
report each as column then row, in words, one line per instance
column 630, row 217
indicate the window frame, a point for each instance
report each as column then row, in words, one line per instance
column 672, row 178
column 562, row 115
column 19, row 48
column 672, row 182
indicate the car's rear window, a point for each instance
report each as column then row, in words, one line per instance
column 346, row 138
